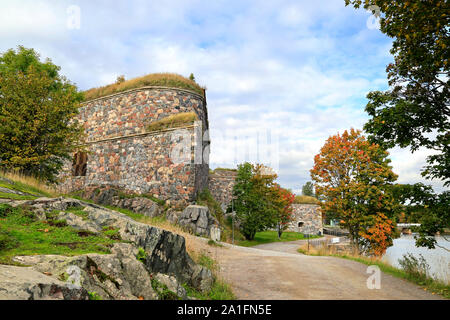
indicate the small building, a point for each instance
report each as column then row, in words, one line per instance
column 307, row 219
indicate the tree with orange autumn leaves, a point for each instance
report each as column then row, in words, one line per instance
column 354, row 180
column 282, row 199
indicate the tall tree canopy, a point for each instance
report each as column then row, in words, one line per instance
column 308, row 189
column 427, row 208
column 415, row 111
column 282, row 199
column 37, row 109
column 353, row 178
column 259, row 202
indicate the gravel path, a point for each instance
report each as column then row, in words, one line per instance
column 276, row 271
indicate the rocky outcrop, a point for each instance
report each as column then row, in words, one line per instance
column 198, row 220
column 120, row 275
column 113, row 197
column 117, row 276
column 19, row 283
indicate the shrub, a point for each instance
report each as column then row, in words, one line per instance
column 141, row 255
column 5, row 210
column 94, row 296
column 416, row 267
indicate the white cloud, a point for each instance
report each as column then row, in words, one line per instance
column 294, row 67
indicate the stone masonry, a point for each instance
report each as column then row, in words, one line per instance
column 221, row 183
column 122, row 154
column 307, row 218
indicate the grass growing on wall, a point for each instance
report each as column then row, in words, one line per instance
column 173, row 121
column 155, row 79
column 306, row 200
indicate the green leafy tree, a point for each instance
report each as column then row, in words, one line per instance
column 415, row 111
column 37, row 109
column 308, row 189
column 253, row 202
column 353, row 178
column 427, row 208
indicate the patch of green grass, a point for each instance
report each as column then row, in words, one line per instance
column 214, row 244
column 112, row 233
column 220, row 290
column 272, row 236
column 428, row 283
column 13, row 196
column 79, row 211
column 207, row 262
column 162, row 291
column 141, row 255
column 25, row 235
column 94, row 296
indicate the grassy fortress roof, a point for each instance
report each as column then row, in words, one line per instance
column 171, row 80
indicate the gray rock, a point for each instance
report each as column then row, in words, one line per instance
column 78, row 223
column 118, row 276
column 20, row 283
column 173, row 216
column 202, row 279
column 121, row 275
column 172, row 284
column 197, row 219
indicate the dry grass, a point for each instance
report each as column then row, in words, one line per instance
column 28, row 184
column 173, row 121
column 155, row 79
column 193, row 245
column 306, row 200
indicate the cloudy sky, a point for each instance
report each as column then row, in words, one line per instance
column 281, row 76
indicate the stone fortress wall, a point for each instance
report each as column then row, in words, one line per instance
column 221, row 183
column 123, row 154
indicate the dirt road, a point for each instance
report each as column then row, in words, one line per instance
column 277, row 271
